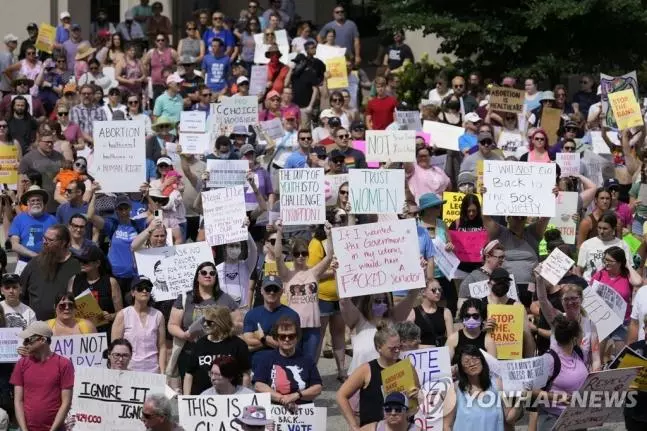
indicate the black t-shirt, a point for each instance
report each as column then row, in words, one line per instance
column 190, row 85
column 306, row 75
column 397, row 55
column 205, row 351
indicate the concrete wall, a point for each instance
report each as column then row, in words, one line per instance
column 16, row 14
column 429, row 45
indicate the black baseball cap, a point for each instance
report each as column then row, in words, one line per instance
column 140, row 279
column 8, row 279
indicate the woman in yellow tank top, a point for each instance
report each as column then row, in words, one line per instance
column 65, row 323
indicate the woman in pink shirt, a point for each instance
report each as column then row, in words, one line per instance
column 423, row 178
column 622, row 209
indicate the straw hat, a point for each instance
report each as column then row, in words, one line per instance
column 34, row 190
column 162, row 121
column 84, row 50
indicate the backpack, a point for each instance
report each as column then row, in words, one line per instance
column 557, row 367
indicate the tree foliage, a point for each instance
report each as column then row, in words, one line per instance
column 542, row 38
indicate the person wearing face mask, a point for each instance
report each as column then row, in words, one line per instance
column 472, row 315
column 234, row 272
column 278, row 74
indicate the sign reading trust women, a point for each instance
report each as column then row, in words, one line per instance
column 119, row 163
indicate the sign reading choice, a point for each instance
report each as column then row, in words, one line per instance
column 519, row 189
column 119, row 155
column 377, row 258
column 303, row 197
column 376, row 191
column 390, row 146
column 239, row 110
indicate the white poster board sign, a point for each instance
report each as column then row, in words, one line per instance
column 9, row 344
column 511, row 143
column 325, row 52
column 332, row 184
column 227, row 173
column 224, row 215
column 519, row 188
column 217, row 412
column 195, row 143
column 409, row 119
column 376, row 191
column 377, row 258
column 236, row 111
column 606, row 320
column 443, row 135
column 481, row 289
column 171, row 269
column 303, row 197
column 390, row 146
column 307, row 418
column 598, row 144
column 258, row 79
column 569, row 163
column 193, row 121
column 106, row 399
column 613, row 299
column 566, row 206
column 555, row 266
column 446, row 261
column 273, row 128
column 119, row 162
column 520, row 374
column 83, row 350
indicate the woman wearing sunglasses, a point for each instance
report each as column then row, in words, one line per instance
column 192, row 45
column 158, row 58
column 472, row 314
column 65, row 323
column 70, row 130
column 130, row 72
column 336, row 100
column 135, row 112
column 538, row 148
column 435, row 322
column 144, row 327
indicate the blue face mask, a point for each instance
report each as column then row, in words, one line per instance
column 379, row 309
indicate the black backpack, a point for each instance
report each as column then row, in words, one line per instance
column 557, row 367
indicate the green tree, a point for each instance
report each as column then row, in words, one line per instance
column 542, row 38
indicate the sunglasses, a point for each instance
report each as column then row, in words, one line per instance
column 133, row 102
column 144, row 288
column 459, row 86
column 120, row 356
column 204, row 273
column 77, row 226
column 287, row 337
column 66, row 306
column 272, row 241
column 343, row 192
column 487, row 142
column 79, row 165
column 435, row 290
column 70, row 191
column 539, row 139
column 30, row 340
column 160, row 40
column 476, row 316
column 569, row 148
column 338, row 161
column 63, row 114
column 271, row 289
column 305, row 139
column 343, row 136
column 300, row 254
column 393, row 409
column 217, row 18
column 190, row 29
column 4, row 126
column 207, row 322
column 380, row 301
column 336, row 99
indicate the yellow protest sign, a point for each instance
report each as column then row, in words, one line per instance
column 479, row 175
column 625, row 109
column 338, row 74
column 452, row 205
column 400, row 377
column 508, row 333
column 630, row 361
column 550, row 119
column 87, row 307
column 8, row 164
column 46, row 38
column 506, row 99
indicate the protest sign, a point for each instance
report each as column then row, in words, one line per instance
column 468, row 245
column 400, row 377
column 9, row 344
column 46, row 38
column 605, row 319
column 104, row 399
column 224, row 215
column 481, row 289
column 410, row 120
column 361, row 146
column 217, row 412
column 511, row 143
column 642, row 193
column 171, row 269
column 193, row 121
column 273, row 128
column 376, row 191
column 631, row 361
column 625, row 109
column 430, row 364
column 336, row 66
column 227, row 173
column 506, row 99
column 632, row 242
column 443, row 135
column 119, row 163
column 84, row 350
column 520, row 374
column 446, row 261
column 598, row 144
column 87, row 307
column 391, row 145
column 195, row 143
column 612, row 84
column 377, row 257
column 9, row 165
column 303, row 198
column 550, row 121
column 519, row 188
column 439, row 161
column 452, row 206
column 258, row 79
column 235, row 111
column 613, row 299
column 508, row 333
column 555, row 266
column 307, row 418
column 332, row 184
column 569, row 163
column 325, row 52
column 565, row 207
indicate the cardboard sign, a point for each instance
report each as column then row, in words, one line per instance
column 258, row 79
column 569, row 163
column 227, row 173
column 338, row 73
column 452, row 206
column 377, row 258
column 468, row 245
column 361, row 146
column 87, row 307
column 550, row 120
column 224, row 215
column 625, row 109
column 410, row 120
column 481, row 289
column 612, row 84
column 106, row 399
column 195, row 143
column 556, row 266
column 446, row 261
column 273, row 128
column 119, row 163
column 332, row 184
column 399, row 377
column 303, row 198
column 193, row 121
column 519, row 188
column 235, row 111
column 171, row 269
column 9, row 165
column 443, row 135
column 523, row 374
column 391, row 146
column 307, row 418
column 506, row 99
column 511, row 143
column 508, row 333
column 46, row 38
column 83, row 350
column 605, row 319
column 217, row 412
column 613, row 299
column 9, row 343
column 376, row 191
column 566, row 206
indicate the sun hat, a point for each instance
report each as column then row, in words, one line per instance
column 34, row 190
column 162, row 121
column 429, row 200
column 84, row 50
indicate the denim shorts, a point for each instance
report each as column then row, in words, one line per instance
column 328, row 308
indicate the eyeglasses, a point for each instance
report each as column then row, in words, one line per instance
column 120, row 356
column 569, row 148
column 160, row 40
column 487, row 142
column 336, row 99
column 79, row 165
column 66, row 306
column 300, row 254
column 476, row 316
column 343, row 192
column 539, row 139
column 63, row 114
column 380, row 301
column 30, row 340
column 204, row 273
column 4, row 126
column 459, row 86
column 346, row 136
column 77, row 226
column 144, row 288
column 287, row 337
column 393, row 409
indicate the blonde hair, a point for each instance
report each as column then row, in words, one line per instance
column 223, row 325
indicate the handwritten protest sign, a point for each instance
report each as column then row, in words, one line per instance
column 303, row 198
column 519, row 188
column 468, row 245
column 273, row 128
column 87, row 307
column 9, row 165
column 550, row 121
column 452, row 206
column 376, row 191
column 613, row 299
column 227, row 173
column 239, row 110
column 361, row 146
column 511, row 143
column 446, row 261
column 332, row 184
column 338, row 73
column 508, row 333
column 193, row 121
column 46, row 37
column 481, row 289
column 520, row 374
column 410, row 120
column 325, row 52
column 391, row 145
column 307, row 418
column 556, row 266
column 625, row 109
column 605, row 319
column 506, row 99
column 258, row 79
column 9, row 344
column 566, row 206
column 224, row 215
column 443, row 135
column 171, row 269
column 400, row 377
column 630, row 361
column 612, row 84
column 217, row 412
column 106, row 399
column 195, row 143
column 119, row 163
column 598, row 144
column 569, row 163
column 83, row 350
column 377, row 257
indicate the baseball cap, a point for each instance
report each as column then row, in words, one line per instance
column 466, row 178
column 10, row 38
column 164, row 161
column 327, row 113
column 472, row 117
column 499, row 273
column 174, row 78
column 36, row 328
column 611, row 183
column 272, row 93
column 319, row 151
column 334, row 122
column 398, row 399
column 140, row 279
column 122, row 200
column 75, row 27
column 64, row 15
column 242, row 80
column 336, row 154
column 571, row 123
column 357, row 124
column 271, row 280
column 10, row 278
column 247, row 148
column 91, row 253
column 290, row 115
column 482, row 136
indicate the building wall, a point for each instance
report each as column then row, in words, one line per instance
column 429, row 45
column 16, row 14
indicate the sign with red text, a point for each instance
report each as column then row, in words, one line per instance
column 235, row 111
column 376, row 191
column 303, row 196
column 566, row 206
column 306, row 418
column 508, row 332
column 377, row 258
column 569, row 163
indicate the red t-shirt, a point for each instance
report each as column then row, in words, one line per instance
column 381, row 111
column 42, row 384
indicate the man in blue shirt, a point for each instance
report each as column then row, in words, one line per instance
column 218, row 31
column 215, row 66
column 74, row 193
column 27, row 229
column 467, row 143
column 299, row 159
column 63, row 29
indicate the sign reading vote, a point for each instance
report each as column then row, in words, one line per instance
column 303, row 196
column 83, row 350
column 217, row 412
column 519, row 189
column 506, row 99
column 376, row 191
column 306, row 418
column 119, row 163
column 377, row 258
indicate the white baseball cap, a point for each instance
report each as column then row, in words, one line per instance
column 174, row 78
column 64, row 15
column 10, row 38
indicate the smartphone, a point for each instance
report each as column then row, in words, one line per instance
column 158, row 215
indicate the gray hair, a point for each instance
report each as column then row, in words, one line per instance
column 408, row 331
column 161, row 405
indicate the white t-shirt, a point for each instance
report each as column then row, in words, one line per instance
column 233, row 279
column 591, row 254
column 639, row 310
column 18, row 317
column 437, row 99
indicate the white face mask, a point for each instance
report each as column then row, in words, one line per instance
column 233, row 253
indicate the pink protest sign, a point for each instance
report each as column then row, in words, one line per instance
column 468, row 245
column 361, row 145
